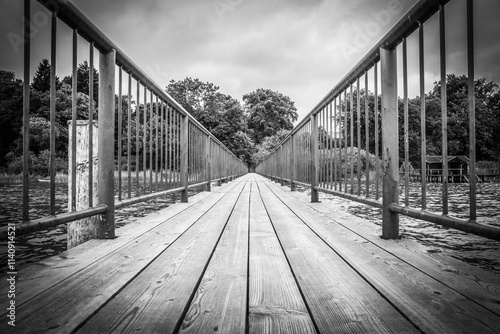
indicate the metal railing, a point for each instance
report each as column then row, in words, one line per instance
column 349, row 147
column 154, row 150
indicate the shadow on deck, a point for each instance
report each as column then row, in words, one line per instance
column 253, row 257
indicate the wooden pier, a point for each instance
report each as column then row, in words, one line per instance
column 253, row 257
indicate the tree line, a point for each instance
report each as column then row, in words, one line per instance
column 251, row 129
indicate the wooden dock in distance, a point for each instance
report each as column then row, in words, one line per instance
column 252, row 256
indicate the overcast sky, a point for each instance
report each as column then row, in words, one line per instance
column 300, row 48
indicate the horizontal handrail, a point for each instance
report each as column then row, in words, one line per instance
column 408, row 24
column 52, row 221
column 75, row 19
column 334, row 150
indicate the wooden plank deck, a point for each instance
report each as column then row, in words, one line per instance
column 253, row 257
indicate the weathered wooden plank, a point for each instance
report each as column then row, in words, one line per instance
column 431, row 304
column 44, row 274
column 340, row 300
column 475, row 283
column 220, row 302
column 275, row 304
column 71, row 301
column 156, row 300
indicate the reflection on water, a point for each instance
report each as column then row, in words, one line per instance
column 470, row 248
column 39, row 245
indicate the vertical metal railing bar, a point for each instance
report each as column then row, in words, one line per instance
column 151, row 142
column 367, row 139
column 472, row 112
column 358, row 133
column 170, row 148
column 331, row 144
column 129, row 135
column 377, row 136
column 337, row 157
column 351, row 157
column 156, row 143
column 53, row 65
column 91, row 125
column 137, row 138
column 26, row 109
column 346, row 125
column 74, row 93
column 176, row 148
column 406, row 139
column 423, row 141
column 444, row 113
column 322, row 172
column 162, row 144
column 120, row 130
column 145, row 142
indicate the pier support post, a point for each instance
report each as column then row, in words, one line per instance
column 314, row 158
column 390, row 142
column 106, row 143
column 184, row 157
column 85, row 229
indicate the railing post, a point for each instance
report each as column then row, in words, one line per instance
column 106, row 143
column 82, row 230
column 208, row 162
column 390, row 145
column 184, row 145
column 314, row 158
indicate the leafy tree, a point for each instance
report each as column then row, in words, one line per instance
column 269, row 112
column 197, row 97
column 267, row 145
column 11, row 112
column 487, row 110
column 219, row 113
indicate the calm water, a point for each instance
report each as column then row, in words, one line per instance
column 39, row 245
column 469, row 248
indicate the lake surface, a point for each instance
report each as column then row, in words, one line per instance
column 472, row 249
